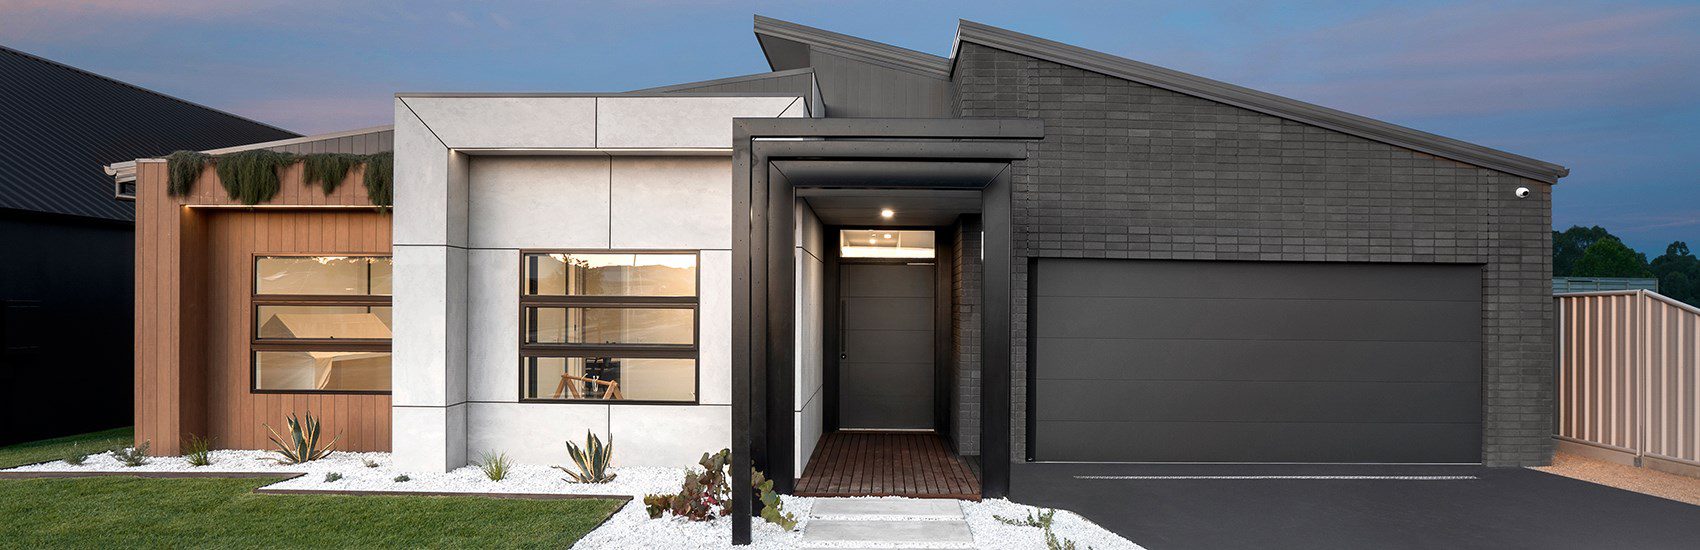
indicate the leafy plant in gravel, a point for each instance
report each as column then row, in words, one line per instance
column 75, row 456
column 707, row 495
column 402, row 479
column 1041, row 518
column 495, row 465
column 332, row 476
column 133, row 456
column 592, row 460
column 198, row 450
column 369, row 463
column 303, row 442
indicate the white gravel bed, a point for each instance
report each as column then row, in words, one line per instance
column 628, row 528
column 991, row 533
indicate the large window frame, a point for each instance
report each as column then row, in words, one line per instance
column 529, row 350
column 256, row 345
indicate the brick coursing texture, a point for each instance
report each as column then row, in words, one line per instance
column 1128, row 170
column 965, row 335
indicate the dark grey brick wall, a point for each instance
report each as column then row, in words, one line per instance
column 1128, row 170
column 965, row 335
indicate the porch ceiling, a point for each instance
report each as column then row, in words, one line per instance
column 910, row 207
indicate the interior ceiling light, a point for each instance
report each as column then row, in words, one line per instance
column 887, row 235
column 887, row 213
column 872, row 240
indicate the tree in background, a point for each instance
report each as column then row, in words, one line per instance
column 1609, row 257
column 1679, row 273
column 1568, row 246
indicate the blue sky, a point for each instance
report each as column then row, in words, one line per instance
column 1611, row 90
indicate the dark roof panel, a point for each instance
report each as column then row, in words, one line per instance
column 60, row 125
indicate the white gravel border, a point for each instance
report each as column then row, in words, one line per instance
column 630, row 527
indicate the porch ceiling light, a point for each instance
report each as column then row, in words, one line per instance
column 887, row 213
column 887, row 235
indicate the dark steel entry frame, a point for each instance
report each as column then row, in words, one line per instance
column 764, row 287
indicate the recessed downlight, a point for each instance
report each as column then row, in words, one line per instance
column 887, row 235
column 887, row 213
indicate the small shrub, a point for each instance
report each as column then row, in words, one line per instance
column 495, row 466
column 133, row 456
column 592, row 460
column 303, row 442
column 402, row 478
column 184, row 167
column 327, row 169
column 1041, row 519
column 251, row 177
column 198, row 450
column 369, row 463
column 380, row 180
column 75, row 456
column 1052, row 543
column 332, row 476
column 708, row 495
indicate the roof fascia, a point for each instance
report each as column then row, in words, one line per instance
column 1263, row 102
column 869, row 51
column 720, row 81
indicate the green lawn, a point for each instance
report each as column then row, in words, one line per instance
column 12, row 456
column 127, row 512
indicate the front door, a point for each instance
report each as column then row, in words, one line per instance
column 886, row 360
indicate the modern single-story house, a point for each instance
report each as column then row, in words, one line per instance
column 1026, row 251
column 67, row 255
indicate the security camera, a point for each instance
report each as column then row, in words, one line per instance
column 1523, row 192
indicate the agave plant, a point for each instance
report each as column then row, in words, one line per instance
column 592, row 460
column 303, row 442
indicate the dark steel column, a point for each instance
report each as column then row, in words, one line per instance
column 995, row 338
column 781, row 332
column 741, row 306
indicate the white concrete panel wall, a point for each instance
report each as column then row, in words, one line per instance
column 811, row 295
column 462, row 221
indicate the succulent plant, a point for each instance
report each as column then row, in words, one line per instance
column 592, row 460
column 708, row 494
column 303, row 442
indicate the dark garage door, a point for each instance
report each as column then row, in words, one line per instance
column 1177, row 361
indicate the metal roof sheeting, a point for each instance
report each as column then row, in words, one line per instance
column 60, row 125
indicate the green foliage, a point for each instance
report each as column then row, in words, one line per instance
column 183, row 168
column 1041, row 518
column 250, row 177
column 133, row 456
column 707, row 495
column 402, row 479
column 198, row 450
column 1568, row 245
column 592, row 460
column 75, row 455
column 1679, row 273
column 1609, row 257
column 495, row 465
column 380, row 180
column 332, row 476
column 328, row 169
column 772, row 510
column 303, row 442
column 369, row 463
column 1051, row 542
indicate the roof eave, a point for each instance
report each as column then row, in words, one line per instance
column 887, row 55
column 1274, row 105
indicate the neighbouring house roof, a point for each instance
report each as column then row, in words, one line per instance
column 376, row 139
column 60, row 124
column 787, row 44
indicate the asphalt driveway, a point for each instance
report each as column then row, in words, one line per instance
column 1164, row 507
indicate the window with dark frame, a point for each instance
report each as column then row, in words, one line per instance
column 322, row 324
column 604, row 325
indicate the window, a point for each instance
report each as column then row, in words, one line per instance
column 608, row 326
column 885, row 243
column 321, row 324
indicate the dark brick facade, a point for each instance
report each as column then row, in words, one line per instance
column 1128, row 170
column 965, row 277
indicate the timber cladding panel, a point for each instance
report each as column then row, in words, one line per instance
column 194, row 271
column 1128, row 170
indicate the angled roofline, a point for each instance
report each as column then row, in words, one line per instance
column 727, row 80
column 141, row 89
column 124, row 172
column 878, row 53
column 1263, row 102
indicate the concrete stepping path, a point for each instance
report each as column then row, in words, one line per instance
column 887, row 523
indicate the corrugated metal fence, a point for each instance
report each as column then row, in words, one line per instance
column 1629, row 377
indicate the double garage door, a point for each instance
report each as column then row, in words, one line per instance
column 1195, row 361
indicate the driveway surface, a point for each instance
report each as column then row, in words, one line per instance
column 1223, row 507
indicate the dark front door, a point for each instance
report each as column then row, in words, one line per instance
column 886, row 362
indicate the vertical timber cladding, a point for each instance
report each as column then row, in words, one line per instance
column 1190, row 361
column 1130, row 170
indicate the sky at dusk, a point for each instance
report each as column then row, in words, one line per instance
column 1610, row 90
